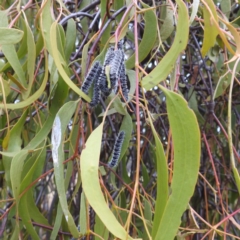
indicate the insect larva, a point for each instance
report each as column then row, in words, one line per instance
column 91, row 76
column 116, row 63
column 103, row 82
column 116, row 150
column 123, row 82
column 103, row 78
column 109, row 56
column 96, row 95
column 120, row 44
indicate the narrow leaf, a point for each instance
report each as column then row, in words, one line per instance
column 32, row 98
column 59, row 126
column 186, row 142
column 58, row 63
column 11, row 55
column 210, row 30
column 90, row 182
column 147, row 42
column 166, row 65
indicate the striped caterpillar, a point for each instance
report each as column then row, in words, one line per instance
column 115, row 67
column 97, row 75
column 103, row 78
column 123, row 82
column 91, row 77
column 96, row 95
column 116, row 150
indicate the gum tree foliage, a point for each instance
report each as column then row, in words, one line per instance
column 119, row 119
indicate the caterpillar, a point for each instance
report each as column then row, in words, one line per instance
column 109, row 56
column 91, row 76
column 103, row 78
column 120, row 44
column 96, row 95
column 123, row 82
column 116, row 150
column 116, row 63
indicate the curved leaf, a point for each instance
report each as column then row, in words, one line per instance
column 168, row 24
column 56, row 57
column 90, row 183
column 10, row 36
column 147, row 42
column 186, row 142
column 162, row 70
column 195, row 6
column 59, row 126
column 32, row 98
column 210, row 30
column 162, row 181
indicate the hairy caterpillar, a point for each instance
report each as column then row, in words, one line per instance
column 120, row 44
column 91, row 76
column 116, row 64
column 123, row 82
column 96, row 95
column 116, row 150
column 103, row 78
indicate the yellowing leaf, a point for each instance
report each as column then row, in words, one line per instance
column 210, row 30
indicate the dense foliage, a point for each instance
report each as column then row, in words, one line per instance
column 119, row 119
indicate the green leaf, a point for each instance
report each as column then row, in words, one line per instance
column 147, row 217
column 6, row 88
column 16, row 172
column 46, row 22
column 162, row 70
column 117, row 5
column 210, row 30
column 59, row 98
column 195, row 6
column 31, row 57
column 89, row 162
column 107, row 31
column 100, row 229
column 55, row 54
column 225, row 7
column 147, row 42
column 83, row 214
column 32, row 170
column 26, row 217
column 193, row 104
column 57, row 223
column 14, row 145
column 11, row 55
column 59, row 126
column 132, row 79
column 168, row 23
column 186, row 142
column 162, row 181
column 10, row 36
column 70, row 38
column 4, row 18
column 118, row 105
column 32, row 98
